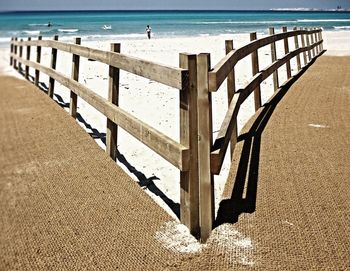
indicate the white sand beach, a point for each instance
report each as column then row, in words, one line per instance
column 158, row 105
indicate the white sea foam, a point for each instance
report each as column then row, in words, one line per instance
column 322, row 20
column 37, row 24
column 107, row 27
column 246, row 22
column 116, row 36
column 67, row 30
column 342, row 27
column 32, row 32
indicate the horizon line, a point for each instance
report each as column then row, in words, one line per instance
column 221, row 10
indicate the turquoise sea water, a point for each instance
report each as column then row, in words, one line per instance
column 97, row 25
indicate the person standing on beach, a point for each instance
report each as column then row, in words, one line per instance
column 148, row 31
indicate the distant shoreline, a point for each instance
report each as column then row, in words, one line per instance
column 345, row 10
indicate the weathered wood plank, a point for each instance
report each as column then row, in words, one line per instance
column 15, row 52
column 166, row 147
column 308, row 45
column 171, row 76
column 20, row 55
column 274, row 58
column 38, row 59
column 303, row 46
column 223, row 138
column 113, row 97
column 317, row 48
column 231, row 89
column 286, row 51
column 75, row 76
column 189, row 185
column 220, row 71
column 321, row 39
column 255, row 70
column 53, row 66
column 11, row 51
column 296, row 44
column 312, row 42
column 28, row 58
column 204, row 144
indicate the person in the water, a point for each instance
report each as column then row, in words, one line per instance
column 49, row 24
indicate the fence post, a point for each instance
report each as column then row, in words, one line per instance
column 15, row 52
column 316, row 40
column 274, row 58
column 303, row 46
column 113, row 97
column 11, row 52
column 38, row 59
column 75, row 76
column 189, row 186
column 28, row 58
column 206, row 179
column 308, row 44
column 296, row 43
column 231, row 89
column 313, row 42
column 286, row 51
column 20, row 56
column 53, row 66
column 255, row 70
column 321, row 39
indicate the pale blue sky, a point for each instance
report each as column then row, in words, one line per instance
column 166, row 4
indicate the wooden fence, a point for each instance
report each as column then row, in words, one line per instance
column 197, row 156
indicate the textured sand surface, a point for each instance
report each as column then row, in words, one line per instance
column 65, row 205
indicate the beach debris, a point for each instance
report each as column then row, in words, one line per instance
column 318, row 125
column 288, row 223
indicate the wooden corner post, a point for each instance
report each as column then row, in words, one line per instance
column 113, row 97
column 296, row 44
column 75, row 76
column 231, row 89
column 38, row 59
column 206, row 179
column 53, row 66
column 255, row 70
column 274, row 58
column 189, row 185
column 28, row 58
column 286, row 51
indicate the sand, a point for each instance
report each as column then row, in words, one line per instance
column 65, row 205
column 158, row 105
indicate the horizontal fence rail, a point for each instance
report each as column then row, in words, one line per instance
column 171, row 76
column 222, row 140
column 169, row 149
column 197, row 155
column 222, row 69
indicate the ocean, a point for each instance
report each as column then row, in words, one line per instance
column 106, row 25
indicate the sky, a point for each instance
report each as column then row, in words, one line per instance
column 166, row 4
